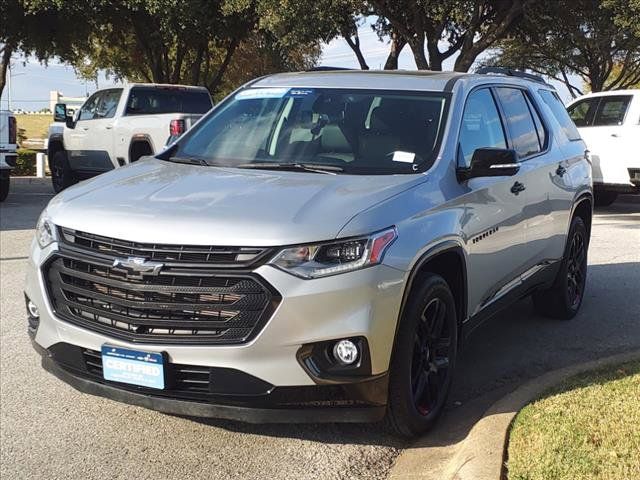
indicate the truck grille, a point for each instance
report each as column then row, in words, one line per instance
column 177, row 305
column 222, row 257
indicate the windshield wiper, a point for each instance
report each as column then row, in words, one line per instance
column 305, row 167
column 189, row 160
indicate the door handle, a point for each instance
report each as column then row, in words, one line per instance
column 517, row 188
column 109, row 127
column 615, row 135
column 85, row 128
column 560, row 171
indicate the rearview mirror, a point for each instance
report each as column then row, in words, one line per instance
column 60, row 112
column 491, row 162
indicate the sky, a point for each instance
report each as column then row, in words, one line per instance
column 31, row 81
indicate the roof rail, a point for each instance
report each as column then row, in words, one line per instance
column 510, row 72
column 323, row 68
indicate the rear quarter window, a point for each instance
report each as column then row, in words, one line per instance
column 149, row 101
column 560, row 113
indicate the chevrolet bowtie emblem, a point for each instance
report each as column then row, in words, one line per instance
column 138, row 267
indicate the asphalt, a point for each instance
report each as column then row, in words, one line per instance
column 48, row 430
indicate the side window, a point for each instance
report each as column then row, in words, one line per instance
column 612, row 110
column 481, row 126
column 108, row 103
column 560, row 113
column 88, row 110
column 519, row 120
column 582, row 112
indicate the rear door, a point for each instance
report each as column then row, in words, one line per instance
column 495, row 226
column 543, row 172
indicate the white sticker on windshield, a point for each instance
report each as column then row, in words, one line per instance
column 261, row 93
column 406, row 157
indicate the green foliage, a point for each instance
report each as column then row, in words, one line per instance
column 25, row 163
column 597, row 40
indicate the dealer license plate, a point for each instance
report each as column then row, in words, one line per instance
column 134, row 367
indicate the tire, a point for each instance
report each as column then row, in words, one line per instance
column 61, row 174
column 564, row 298
column 4, row 187
column 604, row 199
column 417, row 395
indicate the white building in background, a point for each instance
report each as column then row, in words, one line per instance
column 58, row 97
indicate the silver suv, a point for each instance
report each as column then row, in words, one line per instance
column 316, row 248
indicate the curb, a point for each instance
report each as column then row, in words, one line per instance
column 482, row 453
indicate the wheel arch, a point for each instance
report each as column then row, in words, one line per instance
column 137, row 140
column 583, row 206
column 438, row 259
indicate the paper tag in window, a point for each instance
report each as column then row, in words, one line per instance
column 405, row 157
column 262, row 93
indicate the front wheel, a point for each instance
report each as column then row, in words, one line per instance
column 424, row 358
column 565, row 296
column 61, row 174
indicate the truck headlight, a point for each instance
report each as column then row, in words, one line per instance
column 330, row 258
column 45, row 231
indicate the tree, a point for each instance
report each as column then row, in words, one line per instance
column 596, row 40
column 311, row 21
column 465, row 27
column 41, row 32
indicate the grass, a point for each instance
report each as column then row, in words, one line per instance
column 35, row 126
column 586, row 429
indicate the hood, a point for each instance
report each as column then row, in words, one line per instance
column 154, row 201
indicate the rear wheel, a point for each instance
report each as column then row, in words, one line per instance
column 565, row 296
column 424, row 358
column 61, row 174
column 604, row 199
column 4, row 186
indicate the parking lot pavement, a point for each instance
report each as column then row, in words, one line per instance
column 48, row 430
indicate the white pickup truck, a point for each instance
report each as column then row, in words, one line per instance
column 8, row 147
column 609, row 123
column 117, row 126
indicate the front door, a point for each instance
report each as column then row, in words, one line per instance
column 494, row 223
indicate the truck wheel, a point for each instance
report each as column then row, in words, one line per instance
column 4, row 186
column 424, row 358
column 604, row 199
column 61, row 174
column 563, row 299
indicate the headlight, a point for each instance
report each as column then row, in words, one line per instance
column 45, row 231
column 323, row 259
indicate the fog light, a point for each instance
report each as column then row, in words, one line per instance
column 345, row 351
column 33, row 310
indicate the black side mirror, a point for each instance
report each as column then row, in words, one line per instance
column 491, row 162
column 60, row 112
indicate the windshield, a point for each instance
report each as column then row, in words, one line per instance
column 360, row 131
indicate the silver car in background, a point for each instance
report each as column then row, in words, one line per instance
column 316, row 249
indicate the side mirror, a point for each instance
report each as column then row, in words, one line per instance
column 491, row 162
column 60, row 112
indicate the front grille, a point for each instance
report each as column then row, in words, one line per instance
column 222, row 257
column 178, row 305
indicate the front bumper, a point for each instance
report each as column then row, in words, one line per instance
column 364, row 303
column 279, row 405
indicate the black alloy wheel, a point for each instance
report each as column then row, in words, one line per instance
column 424, row 357
column 431, row 352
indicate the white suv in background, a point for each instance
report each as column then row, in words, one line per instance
column 609, row 123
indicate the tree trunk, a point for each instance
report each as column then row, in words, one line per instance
column 397, row 44
column 215, row 82
column 417, row 48
column 354, row 43
column 7, row 50
column 435, row 57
